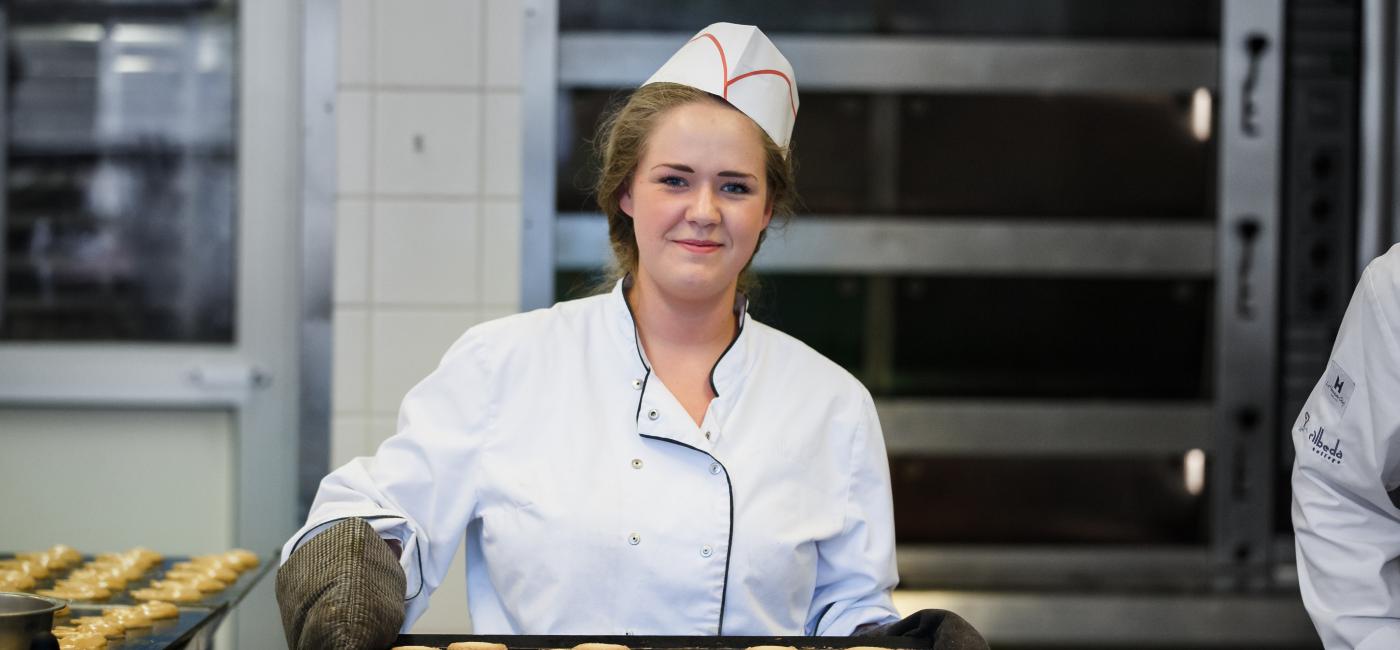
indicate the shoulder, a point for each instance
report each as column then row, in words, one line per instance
column 787, row 359
column 1382, row 276
column 1380, row 294
column 530, row 333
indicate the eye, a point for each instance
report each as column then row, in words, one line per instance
column 673, row 181
column 735, row 188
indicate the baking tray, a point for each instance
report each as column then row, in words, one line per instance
column 645, row 642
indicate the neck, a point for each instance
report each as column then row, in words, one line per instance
column 670, row 320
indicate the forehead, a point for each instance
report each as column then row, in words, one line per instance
column 706, row 132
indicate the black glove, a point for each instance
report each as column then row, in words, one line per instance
column 944, row 629
column 342, row 590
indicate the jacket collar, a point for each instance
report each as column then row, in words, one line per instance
column 726, row 376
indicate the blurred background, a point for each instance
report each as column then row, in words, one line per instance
column 1088, row 255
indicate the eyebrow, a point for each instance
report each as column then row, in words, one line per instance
column 687, row 169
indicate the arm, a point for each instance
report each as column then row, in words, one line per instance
column 420, row 488
column 856, row 569
column 1346, row 441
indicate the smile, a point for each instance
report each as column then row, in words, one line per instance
column 699, row 245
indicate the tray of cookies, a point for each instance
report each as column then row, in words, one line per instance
column 136, row 599
column 131, row 577
column 639, row 642
column 150, row 626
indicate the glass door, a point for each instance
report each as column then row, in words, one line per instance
column 148, row 276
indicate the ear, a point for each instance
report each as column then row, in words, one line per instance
column 625, row 200
column 767, row 214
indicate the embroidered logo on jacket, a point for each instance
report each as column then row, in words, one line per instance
column 1339, row 384
column 1318, row 439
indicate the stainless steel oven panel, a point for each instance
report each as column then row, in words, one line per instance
column 1251, row 55
column 1378, row 222
column 901, row 64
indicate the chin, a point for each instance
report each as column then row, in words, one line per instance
column 696, row 286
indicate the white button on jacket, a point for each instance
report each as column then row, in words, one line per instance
column 524, row 440
column 1346, row 479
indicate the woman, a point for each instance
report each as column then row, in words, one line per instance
column 648, row 461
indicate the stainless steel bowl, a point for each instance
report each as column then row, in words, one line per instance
column 26, row 621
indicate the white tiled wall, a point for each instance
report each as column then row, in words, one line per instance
column 428, row 211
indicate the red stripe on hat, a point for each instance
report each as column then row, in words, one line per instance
column 723, row 62
column 791, row 100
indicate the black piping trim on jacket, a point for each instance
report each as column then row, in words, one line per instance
column 416, row 548
column 637, row 341
column 741, row 303
column 721, row 356
column 729, row 551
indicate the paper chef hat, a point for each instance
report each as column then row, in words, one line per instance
column 740, row 64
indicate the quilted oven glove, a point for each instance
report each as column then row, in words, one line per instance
column 944, row 629
column 343, row 590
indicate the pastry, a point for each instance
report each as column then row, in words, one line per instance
column 15, row 581
column 65, row 554
column 217, row 572
column 181, row 594
column 477, row 645
column 76, row 592
column 132, row 617
column 246, row 558
column 27, row 567
column 109, row 629
column 158, row 609
column 82, row 640
column 204, row 583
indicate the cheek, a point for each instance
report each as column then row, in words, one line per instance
column 655, row 213
column 753, row 226
column 646, row 220
column 648, row 227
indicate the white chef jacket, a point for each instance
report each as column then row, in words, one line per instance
column 1346, row 479
column 593, row 504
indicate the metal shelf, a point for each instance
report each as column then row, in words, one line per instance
column 983, row 246
column 1018, row 568
column 907, row 64
column 1044, row 428
column 1084, row 620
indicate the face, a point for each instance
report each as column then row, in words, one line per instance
column 698, row 200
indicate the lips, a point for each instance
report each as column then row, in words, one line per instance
column 699, row 245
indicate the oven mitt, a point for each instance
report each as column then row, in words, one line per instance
column 943, row 629
column 343, row 590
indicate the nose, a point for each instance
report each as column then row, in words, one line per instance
column 705, row 209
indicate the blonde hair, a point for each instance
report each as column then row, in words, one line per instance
column 622, row 139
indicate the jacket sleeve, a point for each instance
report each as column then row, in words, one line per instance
column 856, row 569
column 1347, row 444
column 422, row 485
